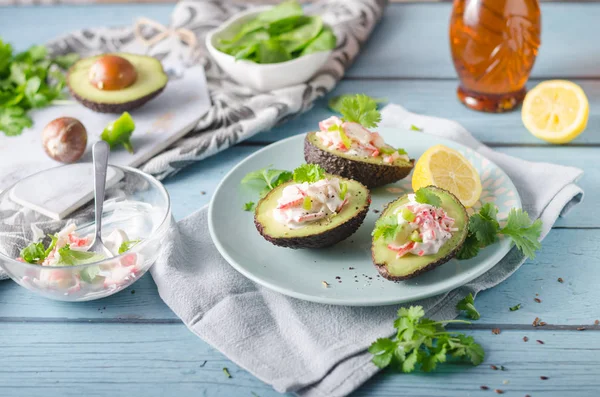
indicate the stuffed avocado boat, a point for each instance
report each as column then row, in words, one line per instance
column 345, row 146
column 312, row 214
column 418, row 232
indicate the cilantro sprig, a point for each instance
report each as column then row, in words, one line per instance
column 484, row 229
column 361, row 109
column 335, row 103
column 28, row 80
column 127, row 245
column 308, row 173
column 467, row 304
column 266, row 179
column 425, row 196
column 386, row 228
column 36, row 253
column 422, row 344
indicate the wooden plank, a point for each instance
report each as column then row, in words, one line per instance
column 572, row 255
column 438, row 98
column 134, row 359
column 399, row 51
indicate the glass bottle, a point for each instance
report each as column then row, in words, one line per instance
column 494, row 44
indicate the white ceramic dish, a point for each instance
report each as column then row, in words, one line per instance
column 262, row 77
column 347, row 266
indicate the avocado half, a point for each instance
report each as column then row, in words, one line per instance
column 409, row 266
column 322, row 233
column 151, row 80
column 370, row 171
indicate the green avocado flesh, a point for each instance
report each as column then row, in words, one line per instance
column 370, row 171
column 410, row 265
column 320, row 233
column 151, row 80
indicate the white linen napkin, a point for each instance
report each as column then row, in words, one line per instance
column 314, row 349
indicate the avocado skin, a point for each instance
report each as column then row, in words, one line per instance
column 319, row 240
column 383, row 270
column 115, row 107
column 370, row 175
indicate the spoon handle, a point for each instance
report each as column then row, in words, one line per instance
column 100, row 157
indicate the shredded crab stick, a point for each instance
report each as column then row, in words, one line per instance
column 432, row 225
column 356, row 140
column 306, row 202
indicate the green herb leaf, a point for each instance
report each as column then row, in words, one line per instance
column 249, row 206
column 127, row 245
column 402, row 151
column 522, row 232
column 335, row 103
column 360, row 109
column 65, row 61
column 386, row 228
column 266, row 179
column 483, row 228
column 470, row 248
column 13, row 120
column 468, row 305
column 226, row 372
column 415, row 128
column 89, row 273
column 69, row 257
column 308, row 173
column 422, row 344
column 515, row 307
column 425, row 196
column 33, row 253
column 119, row 132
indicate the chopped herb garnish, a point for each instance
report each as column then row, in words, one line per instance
column 425, row 196
column 360, row 109
column 249, row 206
column 421, row 343
column 401, row 151
column 33, row 253
column 69, row 257
column 468, row 305
column 335, row 103
column 308, row 173
column 226, row 372
column 385, row 228
column 127, row 245
column 515, row 307
column 415, row 128
column 484, row 228
column 266, row 179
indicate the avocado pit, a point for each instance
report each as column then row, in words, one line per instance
column 112, row 72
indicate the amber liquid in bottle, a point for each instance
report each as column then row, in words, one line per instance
column 494, row 44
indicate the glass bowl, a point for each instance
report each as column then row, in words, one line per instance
column 135, row 203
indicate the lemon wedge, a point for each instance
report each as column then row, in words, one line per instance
column 446, row 168
column 556, row 111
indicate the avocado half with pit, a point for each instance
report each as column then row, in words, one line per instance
column 370, row 171
column 318, row 234
column 409, row 265
column 151, row 80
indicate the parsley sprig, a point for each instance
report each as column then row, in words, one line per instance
column 484, row 229
column 422, row 344
column 28, row 80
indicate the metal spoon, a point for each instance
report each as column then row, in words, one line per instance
column 100, row 158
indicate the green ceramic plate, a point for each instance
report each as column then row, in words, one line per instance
column 347, row 266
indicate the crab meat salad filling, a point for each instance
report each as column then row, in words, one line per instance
column 303, row 203
column 422, row 229
column 354, row 139
column 68, row 248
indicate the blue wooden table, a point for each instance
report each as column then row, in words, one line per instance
column 131, row 344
